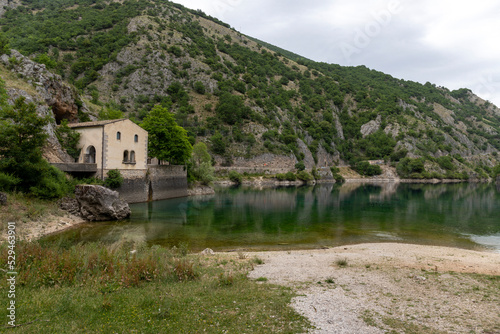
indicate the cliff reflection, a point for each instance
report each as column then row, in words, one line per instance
column 324, row 215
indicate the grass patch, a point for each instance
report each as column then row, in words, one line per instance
column 330, row 280
column 407, row 327
column 342, row 263
column 95, row 288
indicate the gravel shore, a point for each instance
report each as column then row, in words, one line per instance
column 379, row 288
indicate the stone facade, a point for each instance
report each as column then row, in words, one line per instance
column 123, row 145
column 116, row 144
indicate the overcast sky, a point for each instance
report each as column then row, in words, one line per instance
column 449, row 43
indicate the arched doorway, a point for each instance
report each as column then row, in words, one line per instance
column 90, row 155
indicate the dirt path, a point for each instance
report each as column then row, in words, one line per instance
column 376, row 288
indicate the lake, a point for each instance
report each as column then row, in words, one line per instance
column 457, row 215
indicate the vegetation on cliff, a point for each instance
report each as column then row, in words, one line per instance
column 243, row 97
column 22, row 138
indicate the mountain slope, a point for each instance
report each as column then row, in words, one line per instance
column 246, row 100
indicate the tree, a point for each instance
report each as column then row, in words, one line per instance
column 200, row 165
column 109, row 114
column 231, row 109
column 22, row 137
column 408, row 167
column 4, row 44
column 68, row 138
column 218, row 145
column 167, row 140
column 364, row 168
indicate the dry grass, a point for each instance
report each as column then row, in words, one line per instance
column 13, row 81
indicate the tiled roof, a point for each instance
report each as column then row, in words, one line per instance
column 97, row 123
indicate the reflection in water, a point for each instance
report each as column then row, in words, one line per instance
column 461, row 215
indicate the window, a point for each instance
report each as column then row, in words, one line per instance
column 118, row 135
column 132, row 157
column 136, row 139
column 125, row 157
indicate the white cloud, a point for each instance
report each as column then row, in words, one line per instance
column 449, row 43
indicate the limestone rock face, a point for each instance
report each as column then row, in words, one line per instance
column 100, row 203
column 371, row 127
column 54, row 91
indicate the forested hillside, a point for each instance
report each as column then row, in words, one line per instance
column 246, row 98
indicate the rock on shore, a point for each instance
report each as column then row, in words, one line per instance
column 100, row 203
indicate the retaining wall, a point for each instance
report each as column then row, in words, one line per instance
column 153, row 184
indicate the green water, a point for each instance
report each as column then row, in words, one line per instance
column 459, row 215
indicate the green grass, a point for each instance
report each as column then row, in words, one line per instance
column 342, row 263
column 98, row 289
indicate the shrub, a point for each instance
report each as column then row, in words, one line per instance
column 8, row 182
column 114, row 179
column 304, row 176
column 68, row 138
column 236, row 177
column 281, row 177
column 300, row 166
column 364, row 168
column 496, row 170
column 199, row 88
column 200, row 165
column 338, row 178
column 52, row 184
column 409, row 167
column 218, row 144
column 290, row 176
column 446, row 163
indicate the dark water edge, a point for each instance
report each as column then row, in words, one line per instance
column 456, row 215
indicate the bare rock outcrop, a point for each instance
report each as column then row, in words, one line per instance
column 100, row 203
column 58, row 95
column 308, row 157
column 371, row 127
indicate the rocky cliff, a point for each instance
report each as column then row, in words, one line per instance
column 257, row 101
column 52, row 96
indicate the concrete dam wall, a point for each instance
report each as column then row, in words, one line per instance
column 155, row 183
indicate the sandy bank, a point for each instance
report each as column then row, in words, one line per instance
column 384, row 287
column 33, row 230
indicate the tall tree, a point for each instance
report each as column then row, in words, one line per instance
column 22, row 137
column 167, row 140
column 200, row 165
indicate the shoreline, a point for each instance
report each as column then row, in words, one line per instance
column 385, row 287
column 34, row 230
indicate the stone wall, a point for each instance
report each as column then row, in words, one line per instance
column 153, row 184
column 167, row 182
column 135, row 186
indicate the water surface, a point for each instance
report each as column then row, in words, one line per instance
column 458, row 215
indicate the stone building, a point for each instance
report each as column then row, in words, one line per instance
column 114, row 144
column 121, row 144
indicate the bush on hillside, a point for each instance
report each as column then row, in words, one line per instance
column 304, row 176
column 235, row 177
column 366, row 169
